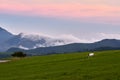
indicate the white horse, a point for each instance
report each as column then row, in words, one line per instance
column 91, row 54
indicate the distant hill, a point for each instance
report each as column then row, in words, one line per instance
column 106, row 44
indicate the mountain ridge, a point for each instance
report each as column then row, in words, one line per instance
column 27, row 41
column 46, row 45
column 74, row 47
column 4, row 35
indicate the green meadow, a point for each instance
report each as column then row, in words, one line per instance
column 105, row 65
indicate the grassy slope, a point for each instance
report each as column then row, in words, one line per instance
column 103, row 66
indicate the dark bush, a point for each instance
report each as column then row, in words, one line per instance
column 19, row 54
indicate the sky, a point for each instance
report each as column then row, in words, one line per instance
column 82, row 20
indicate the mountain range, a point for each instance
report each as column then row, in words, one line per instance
column 41, row 45
column 106, row 44
column 27, row 41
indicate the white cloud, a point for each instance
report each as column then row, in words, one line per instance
column 92, row 38
column 72, row 39
column 69, row 38
column 110, row 36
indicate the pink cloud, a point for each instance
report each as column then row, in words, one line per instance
column 67, row 10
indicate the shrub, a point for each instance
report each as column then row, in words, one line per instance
column 19, row 54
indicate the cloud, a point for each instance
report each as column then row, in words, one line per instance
column 69, row 38
column 95, row 38
column 110, row 35
column 100, row 36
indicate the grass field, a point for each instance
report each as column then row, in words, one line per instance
column 105, row 65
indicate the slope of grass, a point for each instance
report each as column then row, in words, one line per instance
column 105, row 65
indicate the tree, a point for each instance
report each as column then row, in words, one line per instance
column 19, row 54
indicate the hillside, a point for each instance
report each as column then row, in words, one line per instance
column 104, row 65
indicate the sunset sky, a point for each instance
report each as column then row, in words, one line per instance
column 86, row 20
